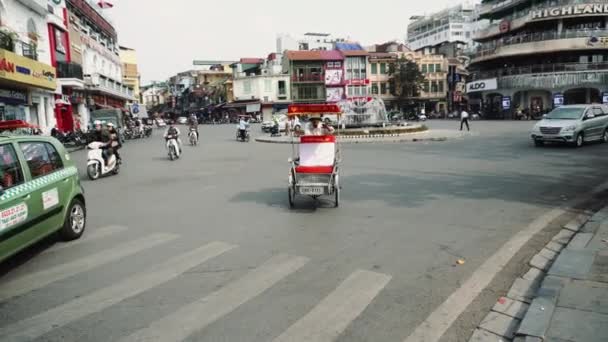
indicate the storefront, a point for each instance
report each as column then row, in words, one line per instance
column 26, row 90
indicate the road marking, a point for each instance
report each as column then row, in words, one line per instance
column 97, row 234
column 50, row 275
column 440, row 320
column 334, row 313
column 198, row 315
column 36, row 326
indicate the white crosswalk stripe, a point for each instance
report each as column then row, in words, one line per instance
column 50, row 275
column 88, row 237
column 43, row 323
column 198, row 315
column 334, row 313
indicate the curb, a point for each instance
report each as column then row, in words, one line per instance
column 524, row 314
column 370, row 139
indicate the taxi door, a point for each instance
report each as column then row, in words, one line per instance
column 17, row 218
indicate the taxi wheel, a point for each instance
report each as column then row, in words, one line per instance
column 75, row 221
column 292, row 196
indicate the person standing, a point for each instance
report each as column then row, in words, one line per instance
column 464, row 119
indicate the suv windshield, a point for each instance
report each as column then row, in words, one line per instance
column 566, row 113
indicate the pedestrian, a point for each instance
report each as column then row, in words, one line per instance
column 464, row 119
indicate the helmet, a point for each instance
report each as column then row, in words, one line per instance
column 110, row 124
column 97, row 122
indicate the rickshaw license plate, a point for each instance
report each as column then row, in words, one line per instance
column 312, row 191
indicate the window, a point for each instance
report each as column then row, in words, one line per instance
column 42, row 158
column 374, row 68
column 375, row 88
column 431, row 67
column 383, row 68
column 425, row 87
column 267, row 86
column 423, row 68
column 11, row 173
column 434, row 87
column 437, row 67
column 441, row 87
column 282, row 88
column 383, row 88
column 247, row 87
column 598, row 112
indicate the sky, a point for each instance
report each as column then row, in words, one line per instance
column 169, row 34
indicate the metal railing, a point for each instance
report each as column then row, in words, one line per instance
column 29, row 51
column 489, row 49
column 540, row 69
column 69, row 70
column 307, row 78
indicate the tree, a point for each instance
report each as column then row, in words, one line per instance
column 406, row 81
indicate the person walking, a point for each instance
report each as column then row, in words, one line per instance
column 464, row 119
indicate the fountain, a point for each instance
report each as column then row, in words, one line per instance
column 363, row 113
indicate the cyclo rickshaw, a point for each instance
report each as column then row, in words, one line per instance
column 244, row 136
column 315, row 169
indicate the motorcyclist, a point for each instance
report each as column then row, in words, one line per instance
column 243, row 126
column 102, row 135
column 174, row 132
column 115, row 143
column 193, row 123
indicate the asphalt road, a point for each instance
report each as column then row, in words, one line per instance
column 206, row 249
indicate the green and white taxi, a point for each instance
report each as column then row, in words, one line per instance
column 40, row 193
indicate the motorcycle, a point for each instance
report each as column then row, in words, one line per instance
column 193, row 136
column 242, row 135
column 274, row 131
column 147, row 131
column 96, row 166
column 173, row 147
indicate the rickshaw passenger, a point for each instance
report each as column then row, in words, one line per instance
column 316, row 127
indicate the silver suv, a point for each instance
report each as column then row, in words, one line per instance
column 573, row 124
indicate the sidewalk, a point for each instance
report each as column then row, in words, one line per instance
column 569, row 303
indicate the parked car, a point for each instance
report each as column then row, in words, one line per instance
column 266, row 126
column 182, row 120
column 160, row 123
column 40, row 193
column 572, row 124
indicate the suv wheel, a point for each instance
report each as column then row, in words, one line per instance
column 580, row 140
column 605, row 136
column 75, row 221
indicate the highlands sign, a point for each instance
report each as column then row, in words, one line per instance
column 570, row 10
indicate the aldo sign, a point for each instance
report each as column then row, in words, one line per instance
column 482, row 85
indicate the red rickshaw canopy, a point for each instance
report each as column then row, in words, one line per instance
column 313, row 109
column 15, row 124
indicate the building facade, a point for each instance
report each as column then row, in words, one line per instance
column 130, row 71
column 538, row 54
column 316, row 76
column 27, row 77
column 260, row 86
column 453, row 27
column 356, row 72
column 307, row 41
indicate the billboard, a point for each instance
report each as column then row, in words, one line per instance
column 333, row 77
column 335, row 94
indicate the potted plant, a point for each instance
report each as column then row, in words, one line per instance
column 7, row 39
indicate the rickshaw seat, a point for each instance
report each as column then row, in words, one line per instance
column 317, row 154
column 315, row 169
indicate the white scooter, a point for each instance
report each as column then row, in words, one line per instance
column 173, row 148
column 96, row 166
column 193, row 136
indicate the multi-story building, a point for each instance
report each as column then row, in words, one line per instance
column 381, row 57
column 316, row 76
column 27, row 77
column 446, row 32
column 307, row 41
column 130, row 71
column 260, row 86
column 537, row 54
column 356, row 75
column 155, row 95
column 88, row 65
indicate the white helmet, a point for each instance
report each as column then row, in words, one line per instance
column 97, row 122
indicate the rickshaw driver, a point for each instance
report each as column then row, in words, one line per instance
column 243, row 126
column 316, row 127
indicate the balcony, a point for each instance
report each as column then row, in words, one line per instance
column 307, row 78
column 537, row 42
column 548, row 76
column 69, row 70
column 7, row 42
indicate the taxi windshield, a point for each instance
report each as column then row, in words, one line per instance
column 572, row 113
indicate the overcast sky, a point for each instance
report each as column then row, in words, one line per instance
column 169, row 34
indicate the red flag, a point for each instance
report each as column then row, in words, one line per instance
column 105, row 4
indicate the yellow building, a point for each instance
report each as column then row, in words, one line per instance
column 130, row 72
